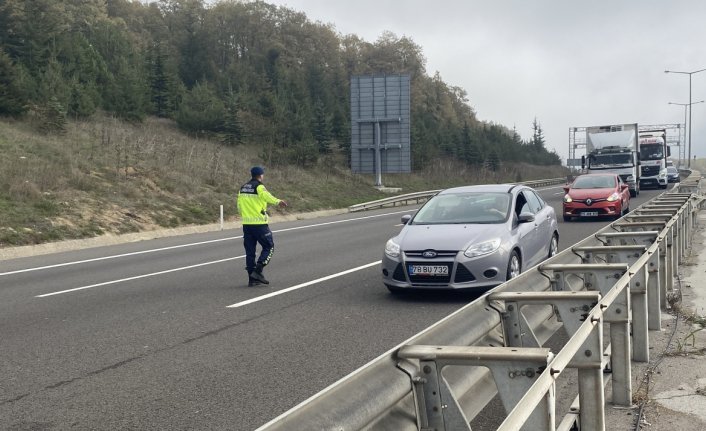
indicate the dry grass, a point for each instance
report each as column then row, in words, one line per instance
column 107, row 176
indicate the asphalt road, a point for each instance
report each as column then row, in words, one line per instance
column 141, row 335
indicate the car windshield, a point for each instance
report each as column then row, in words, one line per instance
column 651, row 151
column 597, row 182
column 596, row 160
column 672, row 170
column 464, row 208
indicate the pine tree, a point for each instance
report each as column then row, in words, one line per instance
column 12, row 100
column 537, row 135
column 201, row 110
column 52, row 117
column 233, row 132
column 159, row 81
column 516, row 139
column 322, row 127
column 493, row 162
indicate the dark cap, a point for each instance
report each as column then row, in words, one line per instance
column 256, row 171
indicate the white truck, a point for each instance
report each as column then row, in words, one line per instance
column 614, row 149
column 653, row 158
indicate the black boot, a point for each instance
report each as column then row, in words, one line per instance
column 257, row 274
column 252, row 282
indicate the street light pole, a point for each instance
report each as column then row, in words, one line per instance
column 688, row 73
column 685, row 105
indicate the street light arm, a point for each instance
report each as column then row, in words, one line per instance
column 684, row 73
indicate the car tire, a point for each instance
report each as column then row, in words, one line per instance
column 514, row 266
column 553, row 246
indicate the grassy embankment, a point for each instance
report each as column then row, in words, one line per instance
column 107, row 176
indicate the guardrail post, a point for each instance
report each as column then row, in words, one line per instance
column 654, row 293
column 665, row 263
column 574, row 309
column 638, row 291
column 602, row 278
column 514, row 371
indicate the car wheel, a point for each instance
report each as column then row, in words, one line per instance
column 514, row 266
column 553, row 246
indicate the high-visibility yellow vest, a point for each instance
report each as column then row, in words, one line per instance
column 253, row 198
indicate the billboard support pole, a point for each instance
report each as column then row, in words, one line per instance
column 378, row 156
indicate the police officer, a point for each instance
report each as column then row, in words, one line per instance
column 252, row 206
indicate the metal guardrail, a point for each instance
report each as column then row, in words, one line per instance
column 444, row 376
column 418, row 197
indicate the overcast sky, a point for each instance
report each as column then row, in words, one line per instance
column 568, row 63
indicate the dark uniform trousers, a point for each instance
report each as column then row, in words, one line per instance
column 252, row 235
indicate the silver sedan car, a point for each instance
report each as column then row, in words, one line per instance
column 473, row 237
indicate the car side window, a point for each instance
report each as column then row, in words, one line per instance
column 521, row 205
column 534, row 203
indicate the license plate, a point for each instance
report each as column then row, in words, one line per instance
column 431, row 270
column 589, row 214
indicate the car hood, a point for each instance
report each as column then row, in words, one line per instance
column 453, row 237
column 590, row 193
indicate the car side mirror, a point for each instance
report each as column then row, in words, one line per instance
column 669, row 151
column 566, row 188
column 525, row 218
column 406, row 218
column 583, row 162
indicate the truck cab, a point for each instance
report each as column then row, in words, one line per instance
column 653, row 158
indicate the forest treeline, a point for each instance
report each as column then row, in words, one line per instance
column 241, row 72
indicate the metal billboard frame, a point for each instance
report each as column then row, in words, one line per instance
column 380, row 123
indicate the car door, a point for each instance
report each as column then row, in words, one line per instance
column 542, row 223
column 527, row 232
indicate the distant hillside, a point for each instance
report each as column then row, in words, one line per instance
column 110, row 176
column 240, row 72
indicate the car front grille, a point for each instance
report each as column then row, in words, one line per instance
column 593, row 201
column 439, row 253
column 463, row 275
column 650, row 171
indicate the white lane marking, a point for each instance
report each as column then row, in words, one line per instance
column 138, row 277
column 115, row 256
column 299, row 286
column 560, row 193
column 39, row 268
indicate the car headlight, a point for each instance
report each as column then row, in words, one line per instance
column 614, row 197
column 567, row 198
column 392, row 249
column 482, row 248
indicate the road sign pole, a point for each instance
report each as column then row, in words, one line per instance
column 378, row 154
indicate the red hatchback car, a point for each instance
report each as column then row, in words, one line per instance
column 596, row 195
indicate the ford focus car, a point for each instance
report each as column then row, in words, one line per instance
column 596, row 195
column 473, row 237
